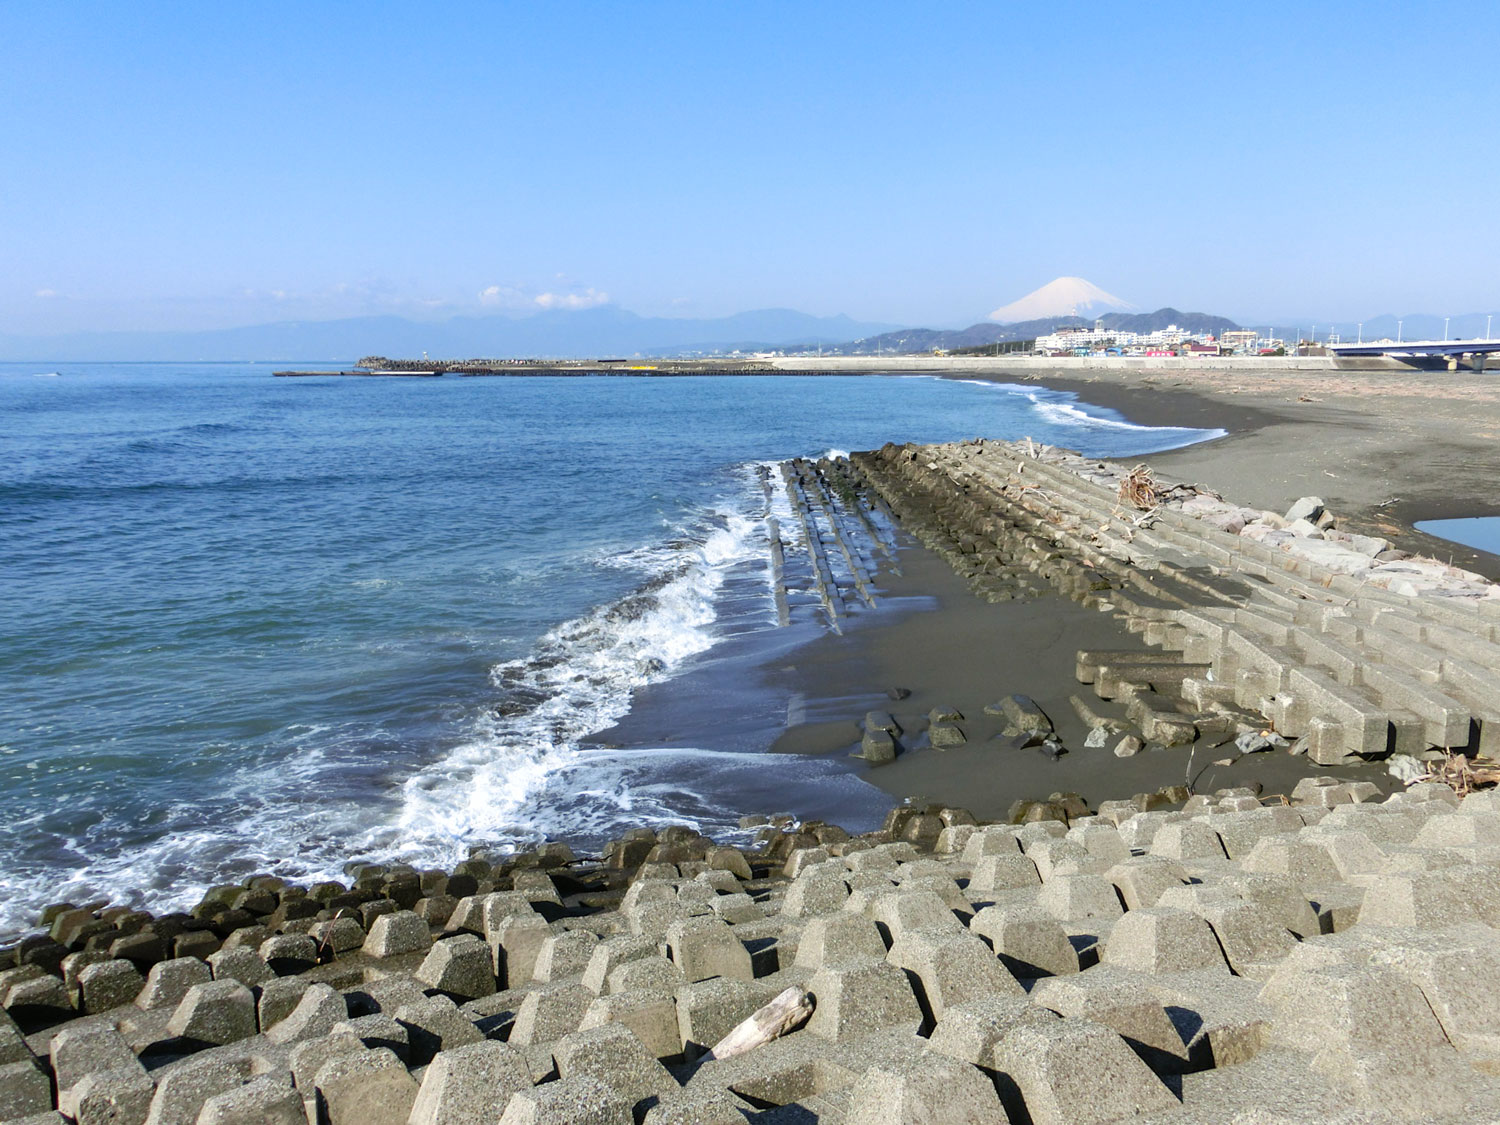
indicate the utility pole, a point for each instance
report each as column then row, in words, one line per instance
column 1445, row 329
column 1398, row 331
column 1487, row 320
column 1361, row 332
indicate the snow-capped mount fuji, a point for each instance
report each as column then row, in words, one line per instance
column 1066, row 296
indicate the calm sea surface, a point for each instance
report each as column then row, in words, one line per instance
column 274, row 624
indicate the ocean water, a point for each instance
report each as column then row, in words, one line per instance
column 1480, row 532
column 257, row 624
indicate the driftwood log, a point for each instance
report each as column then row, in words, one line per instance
column 785, row 1013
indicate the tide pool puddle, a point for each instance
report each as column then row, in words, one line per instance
column 1480, row 532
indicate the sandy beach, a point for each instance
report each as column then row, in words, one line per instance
column 1384, row 449
column 1356, row 439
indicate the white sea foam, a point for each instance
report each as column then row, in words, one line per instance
column 779, row 507
column 1014, row 388
column 488, row 789
column 1066, row 414
column 578, row 680
column 1061, row 413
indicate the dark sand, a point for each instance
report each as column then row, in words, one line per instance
column 1383, row 449
column 804, row 690
column 964, row 653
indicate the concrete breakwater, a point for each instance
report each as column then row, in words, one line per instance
column 1321, row 960
column 1327, row 637
column 1317, row 957
column 375, row 364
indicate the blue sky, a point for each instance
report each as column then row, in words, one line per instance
column 194, row 165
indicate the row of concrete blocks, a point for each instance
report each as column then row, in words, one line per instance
column 813, row 490
column 881, row 941
column 997, row 561
column 1160, row 716
column 850, row 999
column 1173, row 534
column 1471, row 627
column 1339, row 674
column 824, row 584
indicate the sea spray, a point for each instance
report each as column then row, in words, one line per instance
column 577, row 681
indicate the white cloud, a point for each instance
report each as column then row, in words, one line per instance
column 45, row 294
column 587, row 299
column 503, row 297
column 514, row 297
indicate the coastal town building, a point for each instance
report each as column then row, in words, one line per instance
column 1241, row 341
column 1104, row 341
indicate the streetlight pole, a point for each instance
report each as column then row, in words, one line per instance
column 1398, row 331
column 1487, row 320
column 1445, row 329
column 1361, row 332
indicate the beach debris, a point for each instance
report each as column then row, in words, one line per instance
column 787, row 1012
column 1091, row 718
column 1138, row 489
column 1406, row 769
column 1052, row 748
column 1097, row 739
column 1256, row 742
column 1461, row 774
column 1128, row 747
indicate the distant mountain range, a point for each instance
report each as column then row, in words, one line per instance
column 612, row 331
column 605, row 331
column 908, row 340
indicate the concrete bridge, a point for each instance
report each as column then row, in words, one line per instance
column 1474, row 352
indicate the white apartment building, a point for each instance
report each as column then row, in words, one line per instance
column 1069, row 339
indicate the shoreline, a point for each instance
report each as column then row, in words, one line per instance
column 1386, row 449
column 835, row 703
column 993, row 947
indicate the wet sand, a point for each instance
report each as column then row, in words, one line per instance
column 1383, row 449
column 964, row 653
column 803, row 691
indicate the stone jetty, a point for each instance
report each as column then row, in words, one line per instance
column 1322, row 635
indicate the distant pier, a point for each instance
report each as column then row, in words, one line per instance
column 359, row 373
column 380, row 365
column 484, row 368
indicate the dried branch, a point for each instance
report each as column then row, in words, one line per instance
column 785, row 1013
column 1138, row 489
column 1462, row 775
